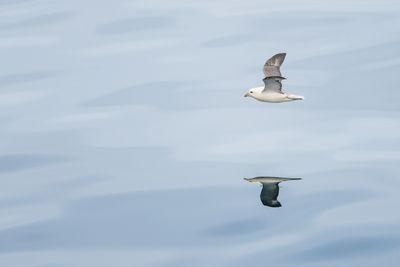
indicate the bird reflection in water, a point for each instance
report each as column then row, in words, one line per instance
column 270, row 191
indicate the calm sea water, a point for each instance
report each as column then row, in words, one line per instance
column 125, row 136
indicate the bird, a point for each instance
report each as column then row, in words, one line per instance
column 270, row 191
column 272, row 90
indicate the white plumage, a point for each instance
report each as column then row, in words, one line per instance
column 272, row 90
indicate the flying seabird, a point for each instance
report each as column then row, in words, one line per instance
column 270, row 191
column 272, row 89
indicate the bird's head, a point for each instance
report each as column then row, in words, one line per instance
column 251, row 180
column 272, row 203
column 250, row 92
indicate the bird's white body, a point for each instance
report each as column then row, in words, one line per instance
column 272, row 91
column 272, row 96
column 269, row 179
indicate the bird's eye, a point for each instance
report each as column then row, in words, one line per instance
column 251, row 92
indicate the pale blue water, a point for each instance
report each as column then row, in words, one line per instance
column 125, row 135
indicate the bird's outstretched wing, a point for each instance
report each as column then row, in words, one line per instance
column 273, row 84
column 269, row 192
column 272, row 66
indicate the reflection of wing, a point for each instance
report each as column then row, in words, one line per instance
column 270, row 191
column 272, row 66
column 272, row 84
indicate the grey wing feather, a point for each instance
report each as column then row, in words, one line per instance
column 272, row 66
column 273, row 84
column 269, row 192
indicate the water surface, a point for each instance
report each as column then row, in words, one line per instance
column 126, row 137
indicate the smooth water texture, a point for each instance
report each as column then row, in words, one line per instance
column 125, row 136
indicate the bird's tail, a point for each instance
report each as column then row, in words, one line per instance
column 296, row 97
column 291, row 179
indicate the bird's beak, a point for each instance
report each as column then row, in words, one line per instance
column 246, row 95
